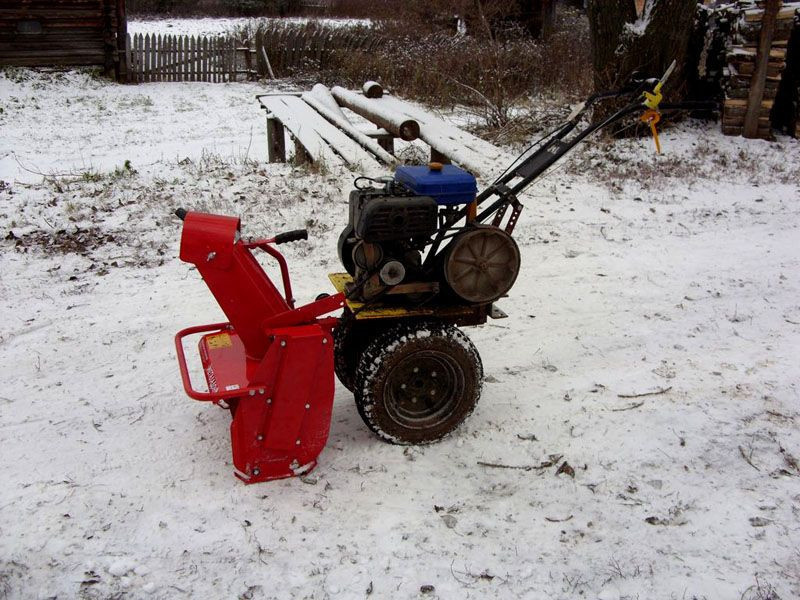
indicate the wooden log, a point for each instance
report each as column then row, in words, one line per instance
column 323, row 94
column 757, row 14
column 338, row 118
column 372, row 89
column 760, row 76
column 400, row 125
column 774, row 69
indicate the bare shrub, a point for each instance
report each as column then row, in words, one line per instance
column 489, row 75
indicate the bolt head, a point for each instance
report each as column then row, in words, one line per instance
column 269, row 400
column 308, row 406
column 283, row 343
column 297, row 443
column 259, row 437
column 256, row 472
column 324, row 340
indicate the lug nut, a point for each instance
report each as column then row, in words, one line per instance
column 256, row 472
column 259, row 437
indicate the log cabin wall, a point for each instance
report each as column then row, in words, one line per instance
column 62, row 33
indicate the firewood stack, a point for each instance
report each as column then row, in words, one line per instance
column 742, row 61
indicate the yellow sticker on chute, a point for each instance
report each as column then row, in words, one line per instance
column 219, row 341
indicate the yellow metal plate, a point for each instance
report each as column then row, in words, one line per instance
column 379, row 310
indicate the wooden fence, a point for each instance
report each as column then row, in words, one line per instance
column 271, row 52
column 180, row 58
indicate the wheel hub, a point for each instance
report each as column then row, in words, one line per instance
column 422, row 389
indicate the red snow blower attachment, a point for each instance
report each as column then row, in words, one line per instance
column 272, row 363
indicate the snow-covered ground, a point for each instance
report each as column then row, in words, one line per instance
column 220, row 25
column 677, row 275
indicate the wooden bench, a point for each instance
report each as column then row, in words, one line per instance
column 316, row 139
column 323, row 133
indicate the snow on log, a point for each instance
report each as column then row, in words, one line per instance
column 338, row 118
column 371, row 108
column 322, row 93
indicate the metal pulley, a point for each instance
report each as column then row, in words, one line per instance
column 481, row 264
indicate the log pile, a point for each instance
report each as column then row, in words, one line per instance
column 743, row 59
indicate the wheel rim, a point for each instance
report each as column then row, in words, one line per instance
column 423, row 389
column 482, row 264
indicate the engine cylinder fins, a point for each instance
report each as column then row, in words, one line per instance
column 481, row 264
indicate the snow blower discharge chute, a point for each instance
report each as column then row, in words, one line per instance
column 423, row 254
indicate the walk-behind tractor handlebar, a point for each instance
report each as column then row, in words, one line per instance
column 420, row 260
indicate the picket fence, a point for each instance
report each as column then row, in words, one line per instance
column 268, row 53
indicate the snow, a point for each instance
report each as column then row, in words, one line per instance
column 223, row 25
column 675, row 275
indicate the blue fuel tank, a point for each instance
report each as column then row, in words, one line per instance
column 448, row 185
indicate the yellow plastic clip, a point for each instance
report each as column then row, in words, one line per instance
column 652, row 117
column 652, row 100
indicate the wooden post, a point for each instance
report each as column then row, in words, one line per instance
column 205, row 60
column 276, row 141
column 179, row 64
column 123, row 43
column 438, row 157
column 147, row 58
column 194, row 63
column 248, row 61
column 759, row 79
column 301, row 157
column 387, row 143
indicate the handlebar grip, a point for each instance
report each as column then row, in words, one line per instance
column 291, row 236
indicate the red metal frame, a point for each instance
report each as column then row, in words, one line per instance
column 186, row 378
column 271, row 363
column 287, row 284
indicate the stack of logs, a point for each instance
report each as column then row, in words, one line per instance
column 743, row 61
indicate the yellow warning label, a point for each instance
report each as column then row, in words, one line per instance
column 218, row 341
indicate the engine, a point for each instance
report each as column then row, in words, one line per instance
column 392, row 222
